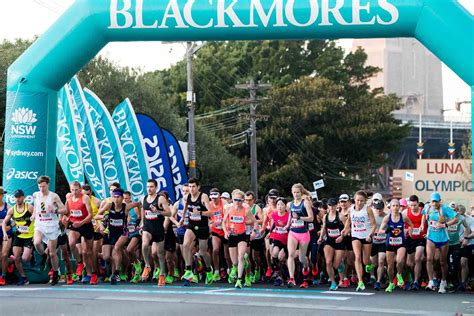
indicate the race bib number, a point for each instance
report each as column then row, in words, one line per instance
column 311, row 226
column 76, row 213
column 186, row 222
column 334, row 233
column 149, row 215
column 45, row 217
column 237, row 219
column 116, row 222
column 453, row 228
column 281, row 230
column 195, row 217
column 433, row 225
column 359, row 227
column 395, row 241
column 23, row 229
column 131, row 228
column 380, row 237
column 416, row 231
column 297, row 223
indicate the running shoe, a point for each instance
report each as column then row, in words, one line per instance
column 156, row 274
column 188, row 275
column 137, row 268
column 223, row 274
column 248, row 281
column 390, row 288
column 23, row 281
column 169, row 279
column 238, row 284
column 2, row 281
column 268, row 273
column 442, row 287
column 161, row 280
column 415, row 286
column 252, row 277
column 136, row 278
column 233, row 274
column 86, row 279
column 94, row 279
column 316, row 281
column 430, row 286
column 360, row 287
column 345, row 283
column 377, row 286
column 54, row 278
column 115, row 278
column 304, row 285
column 69, row 280
column 461, row 287
column 423, row 284
column 217, row 276
column 209, row 278
column 257, row 276
column 195, row 279
column 79, row 269
column 333, row 286
column 406, row 287
column 315, row 270
column 369, row 268
column 305, row 272
column 123, row 277
column 186, row 283
column 146, row 274
column 11, row 265
column 291, row 283
column 278, row 282
column 400, row 281
column 354, row 280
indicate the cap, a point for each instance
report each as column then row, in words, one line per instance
column 2, row 191
column 214, row 195
column 343, row 198
column 117, row 192
column 18, row 193
column 379, row 205
column 332, row 201
column 377, row 196
column 403, row 202
column 225, row 195
column 273, row 193
column 452, row 205
column 435, row 196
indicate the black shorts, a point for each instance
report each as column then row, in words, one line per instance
column 170, row 241
column 155, row 236
column 348, row 243
column 412, row 244
column 394, row 248
column 180, row 239
column 98, row 236
column 112, row 239
column 201, row 233
column 257, row 244
column 62, row 240
column 331, row 242
column 23, row 242
column 280, row 245
column 362, row 241
column 235, row 240
column 376, row 248
column 86, row 231
column 222, row 238
column 466, row 252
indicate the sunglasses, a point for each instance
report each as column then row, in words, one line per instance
column 238, row 200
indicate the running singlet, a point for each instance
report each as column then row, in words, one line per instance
column 258, row 235
column 45, row 211
column 379, row 238
column 95, row 211
column 454, row 231
column 77, row 209
column 24, row 225
column 133, row 222
column 396, row 234
column 180, row 231
column 333, row 228
column 297, row 224
column 360, row 223
column 438, row 235
column 416, row 219
column 237, row 219
column 117, row 220
column 197, row 220
column 3, row 214
column 152, row 218
column 217, row 217
column 279, row 232
column 269, row 223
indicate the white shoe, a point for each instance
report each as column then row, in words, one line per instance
column 442, row 287
column 430, row 285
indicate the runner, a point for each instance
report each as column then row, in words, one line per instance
column 217, row 232
column 394, row 226
column 236, row 217
column 257, row 243
column 155, row 208
column 199, row 210
column 21, row 213
column 361, row 225
column 78, row 207
column 416, row 243
column 178, row 214
column 279, row 237
column 6, row 235
column 47, row 206
column 439, row 217
column 134, row 237
column 333, row 224
column 272, row 197
column 378, row 244
column 301, row 213
column 455, row 233
column 348, row 261
column 467, row 250
column 98, row 237
column 170, row 243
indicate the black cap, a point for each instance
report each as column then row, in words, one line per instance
column 332, row 202
column 273, row 193
column 379, row 205
column 19, row 193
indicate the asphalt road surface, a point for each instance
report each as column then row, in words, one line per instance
column 222, row 299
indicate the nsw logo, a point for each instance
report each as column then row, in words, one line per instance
column 23, row 126
column 21, row 175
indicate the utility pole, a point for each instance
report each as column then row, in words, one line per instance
column 253, row 118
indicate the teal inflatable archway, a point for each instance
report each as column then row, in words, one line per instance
column 443, row 26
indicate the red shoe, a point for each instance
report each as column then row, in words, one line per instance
column 50, row 273
column 79, row 269
column 161, row 281
column 69, row 280
column 424, row 284
column 223, row 275
column 346, row 283
column 2, row 281
column 305, row 272
column 395, row 281
column 304, row 285
column 268, row 274
column 291, row 283
column 315, row 270
column 354, row 279
column 11, row 265
column 93, row 279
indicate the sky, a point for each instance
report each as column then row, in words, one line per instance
column 27, row 18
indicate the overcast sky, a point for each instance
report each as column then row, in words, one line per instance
column 26, row 18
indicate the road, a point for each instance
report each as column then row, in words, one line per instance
column 148, row 299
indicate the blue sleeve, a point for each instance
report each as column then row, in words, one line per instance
column 448, row 212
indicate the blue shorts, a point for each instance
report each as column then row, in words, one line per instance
column 439, row 244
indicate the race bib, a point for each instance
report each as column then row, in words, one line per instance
column 297, row 223
column 453, row 228
column 131, row 228
column 76, row 213
column 359, row 227
column 23, row 229
column 281, row 230
column 195, row 217
column 116, row 222
column 149, row 215
column 395, row 241
column 416, row 231
column 45, row 217
column 186, row 221
column 311, row 226
column 433, row 225
column 334, row 233
column 237, row 219
column 380, row 237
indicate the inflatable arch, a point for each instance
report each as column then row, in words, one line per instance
column 443, row 26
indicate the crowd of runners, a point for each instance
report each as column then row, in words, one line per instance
column 342, row 242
